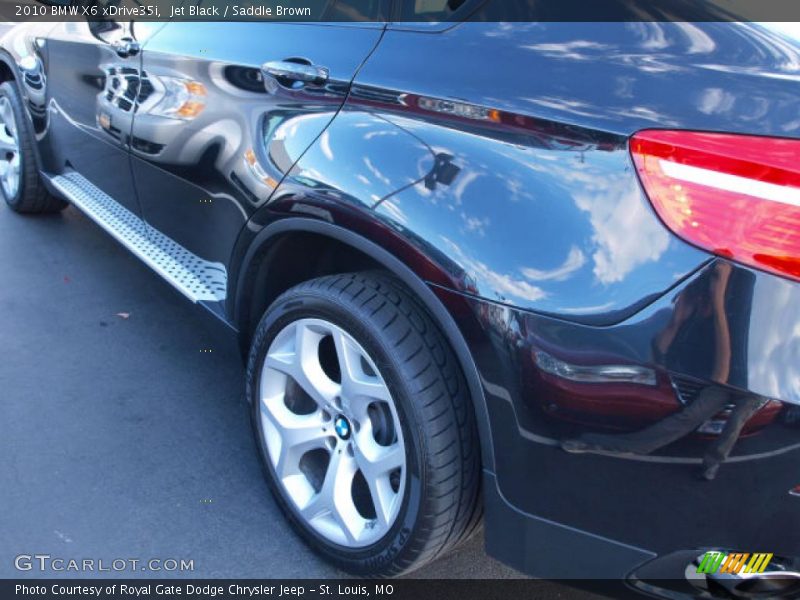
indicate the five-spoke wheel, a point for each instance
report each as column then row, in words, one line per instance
column 364, row 424
column 332, row 432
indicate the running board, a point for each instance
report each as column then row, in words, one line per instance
column 197, row 279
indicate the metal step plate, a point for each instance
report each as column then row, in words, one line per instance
column 197, row 279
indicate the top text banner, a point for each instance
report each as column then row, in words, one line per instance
column 401, row 10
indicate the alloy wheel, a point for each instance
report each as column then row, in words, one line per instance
column 10, row 159
column 332, row 432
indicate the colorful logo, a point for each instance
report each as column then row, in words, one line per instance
column 734, row 563
column 342, row 427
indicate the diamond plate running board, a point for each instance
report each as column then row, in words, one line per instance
column 197, row 279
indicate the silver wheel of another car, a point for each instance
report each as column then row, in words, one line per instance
column 332, row 432
column 10, row 156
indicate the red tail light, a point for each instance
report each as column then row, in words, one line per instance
column 737, row 196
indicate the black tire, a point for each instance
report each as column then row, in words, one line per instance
column 31, row 196
column 441, row 506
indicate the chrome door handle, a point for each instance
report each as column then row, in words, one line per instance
column 126, row 47
column 295, row 71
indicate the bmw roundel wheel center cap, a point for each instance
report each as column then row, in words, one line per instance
column 342, row 427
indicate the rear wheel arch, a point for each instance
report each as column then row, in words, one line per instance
column 268, row 252
column 6, row 70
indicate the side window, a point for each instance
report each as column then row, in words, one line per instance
column 514, row 10
column 358, row 10
column 565, row 10
column 430, row 10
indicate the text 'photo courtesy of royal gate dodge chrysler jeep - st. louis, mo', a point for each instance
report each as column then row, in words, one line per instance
column 540, row 276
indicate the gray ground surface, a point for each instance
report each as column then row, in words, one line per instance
column 120, row 437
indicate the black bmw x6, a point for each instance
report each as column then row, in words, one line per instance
column 542, row 276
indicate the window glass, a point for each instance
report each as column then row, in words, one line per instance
column 514, row 10
column 429, row 10
column 570, row 10
column 316, row 7
column 358, row 10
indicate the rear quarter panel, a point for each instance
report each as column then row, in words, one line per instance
column 499, row 154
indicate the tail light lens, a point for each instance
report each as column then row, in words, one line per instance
column 737, row 196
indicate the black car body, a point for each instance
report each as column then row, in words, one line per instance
column 488, row 166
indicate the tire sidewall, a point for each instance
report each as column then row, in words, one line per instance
column 295, row 306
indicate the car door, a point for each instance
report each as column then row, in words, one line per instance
column 93, row 79
column 224, row 111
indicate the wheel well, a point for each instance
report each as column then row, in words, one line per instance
column 286, row 263
column 6, row 74
column 278, row 264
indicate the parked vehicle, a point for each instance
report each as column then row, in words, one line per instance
column 538, row 275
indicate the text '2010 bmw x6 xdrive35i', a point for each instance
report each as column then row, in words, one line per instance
column 541, row 275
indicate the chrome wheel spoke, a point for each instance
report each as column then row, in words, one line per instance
column 334, row 501
column 6, row 113
column 7, row 143
column 310, row 373
column 297, row 435
column 358, row 388
column 301, row 363
column 382, row 462
column 377, row 470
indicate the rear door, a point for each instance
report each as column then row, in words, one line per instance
column 224, row 110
